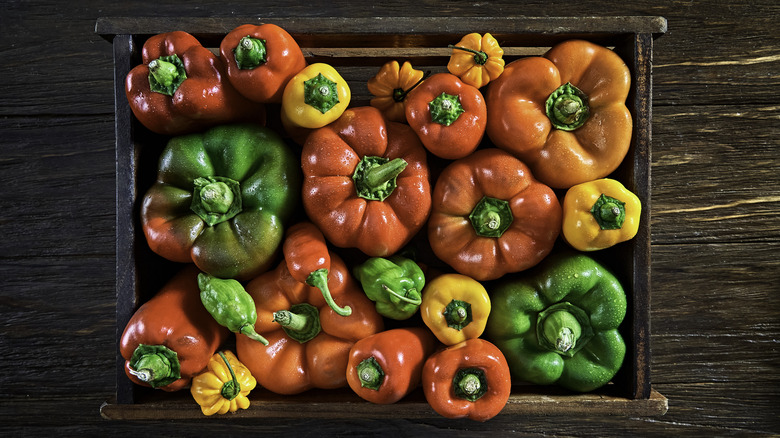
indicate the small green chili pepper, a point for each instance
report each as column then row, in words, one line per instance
column 230, row 305
column 394, row 284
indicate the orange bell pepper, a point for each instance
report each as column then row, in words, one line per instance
column 366, row 182
column 261, row 60
column 309, row 342
column 448, row 115
column 385, row 367
column 563, row 114
column 491, row 217
column 467, row 380
column 477, row 59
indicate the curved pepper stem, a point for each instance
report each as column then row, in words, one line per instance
column 166, row 74
column 319, row 279
column 399, row 94
column 491, row 217
column 470, row 383
column 301, row 322
column 156, row 365
column 232, row 388
column 370, row 373
column 480, row 57
column 567, row 107
column 375, row 177
column 250, row 53
column 610, row 213
column 415, row 302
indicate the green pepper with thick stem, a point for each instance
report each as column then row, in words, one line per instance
column 558, row 324
column 395, row 284
column 222, row 199
column 230, row 305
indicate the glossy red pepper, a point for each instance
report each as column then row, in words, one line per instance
column 467, row 380
column 181, row 87
column 385, row 367
column 448, row 115
column 260, row 60
column 171, row 337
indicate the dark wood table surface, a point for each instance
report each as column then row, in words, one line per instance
column 715, row 315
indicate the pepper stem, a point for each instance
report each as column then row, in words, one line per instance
column 458, row 314
column 216, row 199
column 156, row 365
column 480, row 57
column 319, row 279
column 399, row 94
column 563, row 328
column 249, row 330
column 470, row 383
column 445, row 109
column 491, row 217
column 370, row 373
column 231, row 389
column 250, row 53
column 375, row 177
column 416, row 302
column 610, row 213
column 301, row 322
column 166, row 73
column 567, row 107
column 320, row 93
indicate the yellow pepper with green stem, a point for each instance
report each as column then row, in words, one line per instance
column 599, row 214
column 455, row 308
column 224, row 386
column 477, row 59
column 314, row 97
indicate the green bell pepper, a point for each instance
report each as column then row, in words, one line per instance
column 222, row 198
column 394, row 284
column 558, row 324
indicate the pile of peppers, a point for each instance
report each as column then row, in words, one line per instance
column 448, row 236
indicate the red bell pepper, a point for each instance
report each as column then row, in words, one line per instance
column 260, row 60
column 181, row 87
column 171, row 337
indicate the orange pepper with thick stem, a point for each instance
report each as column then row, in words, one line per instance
column 366, row 182
column 309, row 342
column 563, row 114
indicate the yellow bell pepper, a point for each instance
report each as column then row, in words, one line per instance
column 390, row 87
column 455, row 308
column 316, row 96
column 477, row 59
column 224, row 386
column 599, row 214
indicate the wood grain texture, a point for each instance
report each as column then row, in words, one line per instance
column 715, row 210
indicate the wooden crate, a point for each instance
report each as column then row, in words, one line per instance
column 357, row 47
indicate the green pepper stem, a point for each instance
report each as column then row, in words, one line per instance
column 567, row 107
column 480, row 57
column 250, row 53
column 370, row 373
column 164, row 72
column 457, row 314
column 319, row 279
column 249, row 330
column 491, row 217
column 301, row 322
column 445, row 109
column 375, row 177
column 320, row 93
column 470, row 383
column 154, row 364
column 563, row 328
column 609, row 213
column 416, row 302
column 231, row 389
